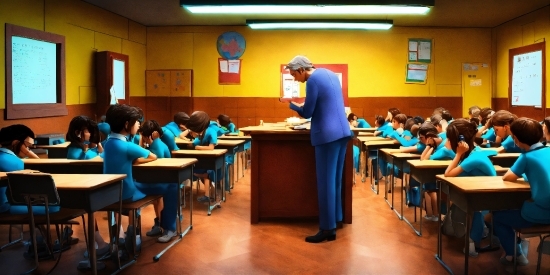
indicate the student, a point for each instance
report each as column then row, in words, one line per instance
column 418, row 120
column 381, row 125
column 205, row 133
column 150, row 135
column 438, row 111
column 446, row 115
column 501, row 122
column 104, row 130
column 473, row 111
column 468, row 162
column 352, row 119
column 226, row 125
column 385, row 129
column 120, row 155
column 136, row 138
column 440, row 124
column 546, row 130
column 409, row 135
column 397, row 125
column 177, row 127
column 15, row 141
column 83, row 134
column 533, row 162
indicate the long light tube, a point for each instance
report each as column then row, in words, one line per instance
column 306, row 9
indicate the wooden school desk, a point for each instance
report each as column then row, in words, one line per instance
column 242, row 153
column 184, row 143
column 505, row 159
column 356, row 131
column 90, row 193
column 210, row 160
column 399, row 160
column 233, row 146
column 476, row 194
column 283, row 181
column 56, row 151
column 374, row 146
column 166, row 170
column 425, row 171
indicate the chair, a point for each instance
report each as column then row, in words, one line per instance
column 38, row 189
column 543, row 232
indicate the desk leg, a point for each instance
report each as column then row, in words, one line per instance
column 467, row 240
column 91, row 241
column 439, row 253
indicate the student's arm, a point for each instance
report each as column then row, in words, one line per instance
column 453, row 169
column 406, row 143
column 510, row 176
column 183, row 135
column 28, row 153
column 427, row 153
column 149, row 158
column 411, row 149
column 517, row 169
column 481, row 130
column 205, row 147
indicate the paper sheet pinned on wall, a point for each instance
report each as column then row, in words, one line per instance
column 223, row 66
column 234, row 66
column 475, row 82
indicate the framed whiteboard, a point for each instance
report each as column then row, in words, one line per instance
column 527, row 81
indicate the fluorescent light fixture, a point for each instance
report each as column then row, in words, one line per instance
column 306, row 9
column 319, row 24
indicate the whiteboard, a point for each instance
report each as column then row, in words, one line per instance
column 34, row 71
column 527, row 79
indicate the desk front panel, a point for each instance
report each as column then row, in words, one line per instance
column 90, row 200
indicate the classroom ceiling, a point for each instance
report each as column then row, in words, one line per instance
column 445, row 13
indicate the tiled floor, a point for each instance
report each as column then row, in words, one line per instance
column 226, row 243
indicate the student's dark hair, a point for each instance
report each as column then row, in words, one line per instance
column 546, row 122
column 351, row 117
column 394, row 111
column 465, row 128
column 77, row 125
column 438, row 111
column 475, row 120
column 181, row 118
column 526, row 130
column 502, row 118
column 378, row 119
column 17, row 132
column 472, row 110
column 418, row 120
column 102, row 119
column 446, row 115
column 141, row 114
column 485, row 115
column 408, row 124
column 118, row 115
column 414, row 130
column 149, row 126
column 427, row 129
column 436, row 119
column 198, row 122
column 224, row 120
column 400, row 118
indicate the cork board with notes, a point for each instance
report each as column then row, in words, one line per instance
column 170, row 83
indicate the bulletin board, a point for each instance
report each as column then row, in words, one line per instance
column 420, row 50
column 169, row 83
column 416, row 73
column 229, row 71
column 290, row 89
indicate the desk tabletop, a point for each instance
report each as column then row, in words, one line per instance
column 183, row 141
column 484, row 184
column 96, row 160
column 363, row 129
column 206, row 153
column 400, row 155
column 365, row 134
column 272, row 129
column 429, row 163
column 230, row 142
column 167, row 163
column 379, row 142
column 61, row 145
column 390, row 150
column 235, row 137
column 506, row 155
column 78, row 181
column 370, row 138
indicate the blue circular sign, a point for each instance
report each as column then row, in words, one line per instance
column 231, row 45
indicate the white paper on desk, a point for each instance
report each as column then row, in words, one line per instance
column 223, row 66
column 234, row 66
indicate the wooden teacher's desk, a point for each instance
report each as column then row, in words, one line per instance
column 476, row 194
column 283, row 179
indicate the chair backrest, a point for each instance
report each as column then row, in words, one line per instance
column 33, row 185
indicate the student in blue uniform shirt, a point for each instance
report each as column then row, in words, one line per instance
column 386, row 129
column 533, row 162
column 226, row 125
column 150, row 132
column 546, row 131
column 104, row 130
column 83, row 134
column 15, row 141
column 501, row 122
column 177, row 126
column 120, row 155
column 205, row 133
column 397, row 124
column 473, row 111
column 468, row 162
column 446, row 115
column 330, row 133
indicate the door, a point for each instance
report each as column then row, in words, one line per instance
column 476, row 86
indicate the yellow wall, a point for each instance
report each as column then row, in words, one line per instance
column 526, row 30
column 376, row 59
column 87, row 29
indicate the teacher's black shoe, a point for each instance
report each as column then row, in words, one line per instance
column 322, row 235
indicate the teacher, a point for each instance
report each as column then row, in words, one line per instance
column 330, row 132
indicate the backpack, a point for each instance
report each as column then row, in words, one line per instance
column 413, row 196
column 453, row 223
